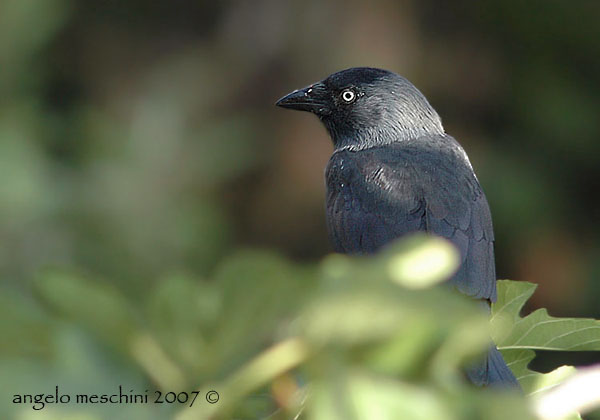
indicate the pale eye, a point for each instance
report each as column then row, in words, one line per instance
column 348, row 96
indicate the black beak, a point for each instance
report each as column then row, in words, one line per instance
column 312, row 99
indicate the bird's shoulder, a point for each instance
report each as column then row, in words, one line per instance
column 427, row 167
column 381, row 171
column 427, row 184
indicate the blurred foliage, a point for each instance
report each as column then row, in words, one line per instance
column 359, row 341
column 372, row 343
column 140, row 151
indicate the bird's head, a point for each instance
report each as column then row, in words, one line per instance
column 363, row 107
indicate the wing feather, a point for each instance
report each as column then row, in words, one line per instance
column 380, row 194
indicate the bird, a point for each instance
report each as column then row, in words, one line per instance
column 394, row 171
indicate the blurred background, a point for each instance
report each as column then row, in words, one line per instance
column 139, row 139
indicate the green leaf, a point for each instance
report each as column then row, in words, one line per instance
column 517, row 337
column 512, row 295
column 539, row 330
column 414, row 331
column 359, row 395
column 544, row 332
column 350, row 394
column 99, row 306
column 265, row 367
column 421, row 261
column 257, row 291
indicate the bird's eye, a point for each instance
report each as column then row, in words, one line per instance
column 348, row 96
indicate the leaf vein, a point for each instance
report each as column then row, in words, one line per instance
column 573, row 332
column 506, row 305
column 584, row 343
column 534, row 327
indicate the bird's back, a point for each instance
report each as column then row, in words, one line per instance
column 379, row 194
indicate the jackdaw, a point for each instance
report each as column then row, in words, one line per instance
column 395, row 171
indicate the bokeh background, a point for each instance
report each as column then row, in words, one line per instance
column 139, row 139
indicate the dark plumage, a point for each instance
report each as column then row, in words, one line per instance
column 394, row 171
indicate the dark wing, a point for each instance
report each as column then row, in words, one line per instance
column 378, row 195
column 369, row 204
